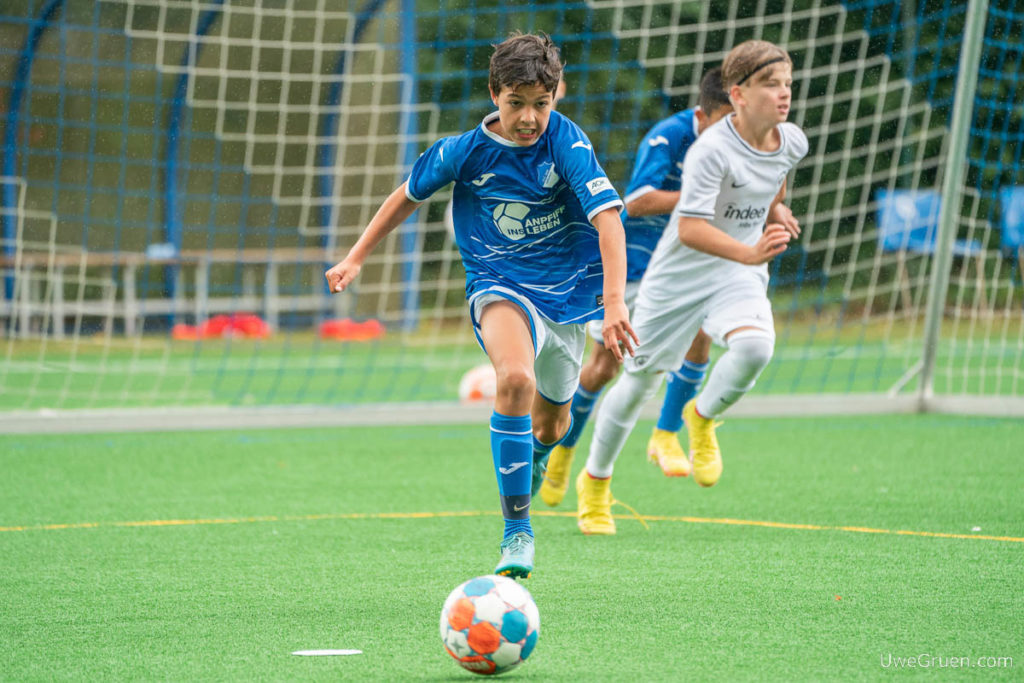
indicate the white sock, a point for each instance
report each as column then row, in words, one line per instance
column 616, row 417
column 736, row 371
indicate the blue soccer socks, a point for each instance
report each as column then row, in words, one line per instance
column 514, row 526
column 541, row 451
column 512, row 451
column 682, row 386
column 582, row 405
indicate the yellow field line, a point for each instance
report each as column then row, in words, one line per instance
column 478, row 513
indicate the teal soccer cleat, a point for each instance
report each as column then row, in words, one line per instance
column 540, row 468
column 516, row 556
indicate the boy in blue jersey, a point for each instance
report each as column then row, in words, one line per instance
column 537, row 224
column 652, row 193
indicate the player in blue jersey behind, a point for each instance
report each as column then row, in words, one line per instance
column 537, row 224
column 652, row 193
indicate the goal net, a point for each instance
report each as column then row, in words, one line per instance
column 178, row 174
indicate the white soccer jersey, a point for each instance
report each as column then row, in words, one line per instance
column 731, row 185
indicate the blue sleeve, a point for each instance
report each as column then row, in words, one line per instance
column 433, row 170
column 653, row 159
column 663, row 146
column 575, row 162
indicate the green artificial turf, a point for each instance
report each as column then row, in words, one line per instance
column 307, row 539
column 296, row 369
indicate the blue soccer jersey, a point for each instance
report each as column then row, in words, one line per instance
column 659, row 166
column 522, row 214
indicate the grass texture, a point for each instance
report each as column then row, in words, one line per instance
column 828, row 546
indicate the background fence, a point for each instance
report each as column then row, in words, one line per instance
column 170, row 164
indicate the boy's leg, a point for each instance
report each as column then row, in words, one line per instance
column 506, row 336
column 600, row 369
column 557, row 367
column 552, row 424
column 615, row 420
column 749, row 350
column 663, row 447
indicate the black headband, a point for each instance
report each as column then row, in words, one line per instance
column 760, row 66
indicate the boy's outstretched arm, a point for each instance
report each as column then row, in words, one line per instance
column 699, row 234
column 612, row 240
column 395, row 209
column 653, row 203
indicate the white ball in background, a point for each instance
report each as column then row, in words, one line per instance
column 478, row 384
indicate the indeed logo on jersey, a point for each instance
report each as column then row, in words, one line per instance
column 747, row 213
column 514, row 222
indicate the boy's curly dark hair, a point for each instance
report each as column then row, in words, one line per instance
column 525, row 59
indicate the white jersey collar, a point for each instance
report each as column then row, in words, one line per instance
column 782, row 139
column 491, row 134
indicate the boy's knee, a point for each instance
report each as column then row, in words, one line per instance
column 634, row 390
column 550, row 431
column 515, row 383
column 752, row 349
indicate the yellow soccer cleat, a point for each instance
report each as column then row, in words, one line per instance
column 707, row 457
column 594, row 505
column 664, row 450
column 556, row 480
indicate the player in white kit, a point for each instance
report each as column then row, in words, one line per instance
column 711, row 273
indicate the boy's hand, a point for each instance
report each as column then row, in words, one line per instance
column 617, row 331
column 772, row 243
column 339, row 277
column 783, row 215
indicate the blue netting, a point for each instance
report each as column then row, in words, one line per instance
column 997, row 129
column 137, row 135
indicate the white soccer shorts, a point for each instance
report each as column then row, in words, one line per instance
column 557, row 349
column 666, row 332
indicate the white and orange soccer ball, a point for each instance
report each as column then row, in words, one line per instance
column 490, row 624
column 478, row 384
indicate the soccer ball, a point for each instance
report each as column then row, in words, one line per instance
column 478, row 384
column 489, row 624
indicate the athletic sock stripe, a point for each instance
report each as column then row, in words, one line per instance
column 502, row 431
